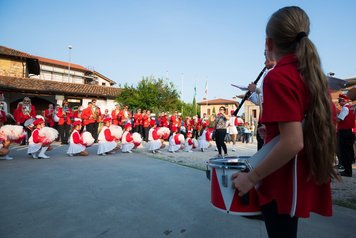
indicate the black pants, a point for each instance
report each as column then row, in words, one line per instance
column 145, row 133
column 219, row 139
column 279, row 225
column 346, row 140
column 95, row 130
column 260, row 141
column 64, row 133
column 91, row 128
column 28, row 135
column 195, row 134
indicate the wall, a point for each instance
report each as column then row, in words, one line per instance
column 204, row 108
column 59, row 74
column 249, row 116
column 11, row 67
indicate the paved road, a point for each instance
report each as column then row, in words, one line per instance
column 125, row 195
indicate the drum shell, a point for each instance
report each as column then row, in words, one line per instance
column 223, row 196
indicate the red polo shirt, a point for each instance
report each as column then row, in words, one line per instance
column 285, row 99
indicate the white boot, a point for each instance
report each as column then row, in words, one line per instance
column 34, row 155
column 42, row 155
column 6, row 157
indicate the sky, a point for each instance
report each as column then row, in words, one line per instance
column 199, row 42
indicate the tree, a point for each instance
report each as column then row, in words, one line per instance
column 154, row 94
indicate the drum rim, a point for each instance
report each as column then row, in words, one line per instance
column 239, row 162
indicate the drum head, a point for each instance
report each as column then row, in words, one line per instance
column 231, row 162
column 29, row 122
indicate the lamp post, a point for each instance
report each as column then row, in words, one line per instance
column 70, row 56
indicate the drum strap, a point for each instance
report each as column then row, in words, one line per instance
column 295, row 187
column 258, row 157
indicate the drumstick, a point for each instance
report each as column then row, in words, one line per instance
column 248, row 93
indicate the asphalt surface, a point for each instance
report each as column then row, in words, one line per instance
column 125, row 195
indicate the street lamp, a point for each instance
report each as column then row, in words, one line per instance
column 331, row 74
column 70, row 56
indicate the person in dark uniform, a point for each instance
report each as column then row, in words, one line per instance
column 346, row 121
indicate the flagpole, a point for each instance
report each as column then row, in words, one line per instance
column 195, row 97
column 182, row 93
column 206, row 95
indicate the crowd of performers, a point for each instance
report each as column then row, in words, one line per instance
column 112, row 131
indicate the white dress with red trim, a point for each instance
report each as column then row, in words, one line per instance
column 127, row 142
column 173, row 146
column 188, row 145
column 106, row 141
column 154, row 142
column 202, row 140
column 34, row 142
column 75, row 143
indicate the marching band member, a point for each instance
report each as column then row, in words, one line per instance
column 4, row 147
column 189, row 144
column 48, row 114
column 257, row 98
column 126, row 116
column 116, row 115
column 77, row 114
column 2, row 117
column 175, row 141
column 25, row 112
column 127, row 140
column 35, row 147
column 204, row 138
column 138, row 121
column 65, row 115
column 107, row 142
column 97, row 115
column 146, row 124
column 76, row 144
column 154, row 140
column 232, row 129
column 3, row 104
column 196, row 126
column 294, row 177
column 346, row 121
column 89, row 119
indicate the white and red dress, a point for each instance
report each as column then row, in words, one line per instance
column 76, row 144
column 188, row 145
column 127, row 143
column 106, row 141
column 174, row 143
column 34, row 142
column 204, row 139
column 154, row 140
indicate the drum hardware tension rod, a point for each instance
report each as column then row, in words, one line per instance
column 224, row 179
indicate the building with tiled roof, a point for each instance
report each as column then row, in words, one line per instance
column 212, row 106
column 47, row 81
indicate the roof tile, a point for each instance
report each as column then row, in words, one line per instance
column 54, row 87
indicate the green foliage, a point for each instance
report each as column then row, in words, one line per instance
column 156, row 95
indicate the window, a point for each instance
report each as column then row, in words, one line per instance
column 254, row 113
column 208, row 111
column 103, row 84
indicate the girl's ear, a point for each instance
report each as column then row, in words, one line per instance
column 269, row 44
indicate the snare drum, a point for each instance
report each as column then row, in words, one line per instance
column 223, row 196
